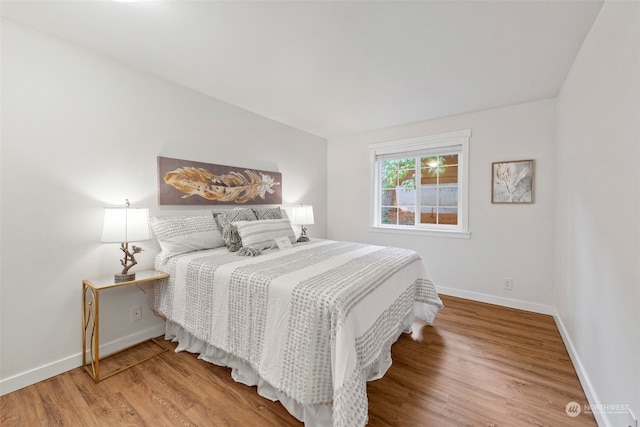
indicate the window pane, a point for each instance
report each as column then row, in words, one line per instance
column 451, row 159
column 398, row 216
column 439, row 189
column 389, row 198
column 398, row 172
column 429, row 170
column 429, row 195
column 398, row 195
column 407, row 216
column 428, row 215
column 448, row 216
column 449, row 175
column 448, row 195
column 406, row 178
column 409, row 163
column 389, row 174
column 439, row 215
column 405, row 197
column 389, row 216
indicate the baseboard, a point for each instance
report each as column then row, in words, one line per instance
column 491, row 299
column 589, row 391
column 52, row 369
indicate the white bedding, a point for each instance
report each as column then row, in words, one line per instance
column 308, row 325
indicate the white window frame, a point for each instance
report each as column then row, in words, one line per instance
column 457, row 141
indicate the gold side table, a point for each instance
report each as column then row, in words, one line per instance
column 91, row 289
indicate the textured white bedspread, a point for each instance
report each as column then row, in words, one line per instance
column 315, row 321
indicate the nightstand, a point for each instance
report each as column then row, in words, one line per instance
column 91, row 289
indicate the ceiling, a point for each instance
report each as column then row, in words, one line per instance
column 333, row 68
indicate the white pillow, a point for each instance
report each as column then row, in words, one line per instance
column 179, row 235
column 261, row 234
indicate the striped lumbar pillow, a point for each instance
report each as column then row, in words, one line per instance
column 261, row 234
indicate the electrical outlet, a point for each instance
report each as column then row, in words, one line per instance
column 136, row 313
column 508, row 284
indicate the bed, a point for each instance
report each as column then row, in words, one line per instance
column 308, row 324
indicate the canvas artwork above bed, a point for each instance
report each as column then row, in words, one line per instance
column 185, row 182
column 308, row 325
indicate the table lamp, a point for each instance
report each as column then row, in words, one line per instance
column 124, row 225
column 302, row 215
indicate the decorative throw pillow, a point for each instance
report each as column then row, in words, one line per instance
column 268, row 213
column 261, row 234
column 179, row 235
column 224, row 220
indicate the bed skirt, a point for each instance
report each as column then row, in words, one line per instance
column 242, row 372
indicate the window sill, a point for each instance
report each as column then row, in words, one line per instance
column 422, row 232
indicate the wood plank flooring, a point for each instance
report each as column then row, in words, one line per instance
column 479, row 365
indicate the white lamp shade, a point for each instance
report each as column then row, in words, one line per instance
column 302, row 215
column 124, row 225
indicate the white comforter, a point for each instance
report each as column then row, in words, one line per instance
column 315, row 321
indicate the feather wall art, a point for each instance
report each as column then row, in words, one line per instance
column 185, row 182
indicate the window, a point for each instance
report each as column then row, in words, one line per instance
column 420, row 184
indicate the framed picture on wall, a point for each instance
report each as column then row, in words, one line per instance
column 512, row 181
column 186, row 182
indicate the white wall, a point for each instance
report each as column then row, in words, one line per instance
column 80, row 132
column 597, row 274
column 513, row 241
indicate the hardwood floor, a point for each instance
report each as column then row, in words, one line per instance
column 479, row 365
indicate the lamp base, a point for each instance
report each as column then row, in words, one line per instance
column 302, row 239
column 119, row 277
